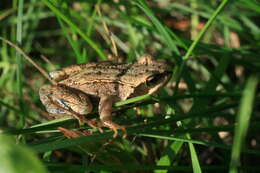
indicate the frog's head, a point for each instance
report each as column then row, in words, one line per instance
column 152, row 75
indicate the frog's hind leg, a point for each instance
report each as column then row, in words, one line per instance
column 61, row 102
column 61, row 99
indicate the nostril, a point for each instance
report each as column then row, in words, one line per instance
column 57, row 75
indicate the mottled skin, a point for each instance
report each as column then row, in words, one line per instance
column 80, row 87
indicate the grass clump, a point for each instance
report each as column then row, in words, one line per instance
column 205, row 119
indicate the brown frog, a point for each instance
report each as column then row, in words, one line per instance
column 82, row 87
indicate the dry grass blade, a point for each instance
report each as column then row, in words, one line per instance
column 44, row 58
column 18, row 49
column 114, row 49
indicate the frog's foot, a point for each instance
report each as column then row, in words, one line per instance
column 113, row 126
column 94, row 124
column 73, row 134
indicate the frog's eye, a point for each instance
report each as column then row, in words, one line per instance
column 154, row 79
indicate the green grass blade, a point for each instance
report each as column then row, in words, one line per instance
column 126, row 168
column 243, row 117
column 72, row 42
column 203, row 31
column 19, row 84
column 170, row 154
column 160, row 27
column 196, row 41
column 199, row 142
column 194, row 159
column 75, row 28
column 2, row 103
column 16, row 158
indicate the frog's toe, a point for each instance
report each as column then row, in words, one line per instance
column 113, row 126
column 93, row 123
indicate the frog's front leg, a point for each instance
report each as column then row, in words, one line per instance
column 105, row 113
column 63, row 101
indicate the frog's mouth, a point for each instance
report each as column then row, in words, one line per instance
column 158, row 81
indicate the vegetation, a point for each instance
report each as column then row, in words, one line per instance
column 205, row 120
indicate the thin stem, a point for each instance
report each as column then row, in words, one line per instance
column 18, row 49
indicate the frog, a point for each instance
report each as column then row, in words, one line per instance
column 83, row 87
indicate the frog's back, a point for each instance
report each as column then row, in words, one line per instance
column 100, row 79
column 119, row 79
